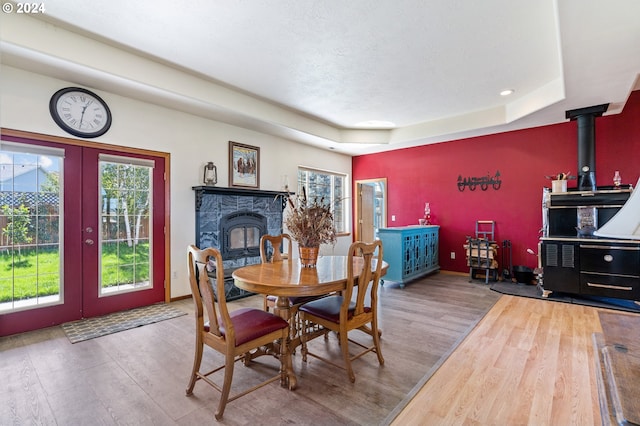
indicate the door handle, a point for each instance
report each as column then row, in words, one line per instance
column 88, row 242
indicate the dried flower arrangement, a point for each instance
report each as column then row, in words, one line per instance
column 310, row 222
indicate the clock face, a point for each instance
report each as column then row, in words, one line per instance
column 80, row 112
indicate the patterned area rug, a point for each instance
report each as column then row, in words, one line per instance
column 89, row 328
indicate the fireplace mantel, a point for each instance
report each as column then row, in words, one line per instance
column 234, row 191
column 243, row 192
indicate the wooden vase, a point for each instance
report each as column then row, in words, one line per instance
column 308, row 256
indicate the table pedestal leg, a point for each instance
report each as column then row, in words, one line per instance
column 283, row 310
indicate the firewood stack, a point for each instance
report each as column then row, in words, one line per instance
column 481, row 253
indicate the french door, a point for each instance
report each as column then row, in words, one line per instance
column 82, row 232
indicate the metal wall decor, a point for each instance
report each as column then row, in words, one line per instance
column 483, row 182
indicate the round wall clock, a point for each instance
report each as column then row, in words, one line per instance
column 80, row 112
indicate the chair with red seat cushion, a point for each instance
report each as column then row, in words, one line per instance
column 234, row 334
column 355, row 308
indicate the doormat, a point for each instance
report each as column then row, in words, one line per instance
column 525, row 290
column 89, row 328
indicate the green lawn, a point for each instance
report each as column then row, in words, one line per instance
column 32, row 273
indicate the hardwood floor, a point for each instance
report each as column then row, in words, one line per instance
column 527, row 362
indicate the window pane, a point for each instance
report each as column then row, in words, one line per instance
column 30, row 209
column 325, row 187
column 126, row 191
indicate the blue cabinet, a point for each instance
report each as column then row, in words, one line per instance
column 410, row 251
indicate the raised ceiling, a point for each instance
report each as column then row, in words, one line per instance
column 322, row 71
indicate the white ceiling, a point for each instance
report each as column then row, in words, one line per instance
column 433, row 67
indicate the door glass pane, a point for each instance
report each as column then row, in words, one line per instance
column 30, row 229
column 125, row 217
column 379, row 213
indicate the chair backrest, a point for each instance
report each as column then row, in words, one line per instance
column 276, row 242
column 204, row 298
column 367, row 280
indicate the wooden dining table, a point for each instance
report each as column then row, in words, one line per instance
column 288, row 278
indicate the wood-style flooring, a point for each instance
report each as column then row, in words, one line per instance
column 527, row 362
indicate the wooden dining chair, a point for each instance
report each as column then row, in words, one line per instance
column 234, row 334
column 341, row 313
column 271, row 248
column 271, row 251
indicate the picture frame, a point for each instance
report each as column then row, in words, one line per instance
column 244, row 165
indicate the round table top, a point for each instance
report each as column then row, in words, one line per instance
column 289, row 278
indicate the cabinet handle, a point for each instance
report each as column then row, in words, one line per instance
column 610, row 274
column 608, row 258
column 613, row 287
column 609, row 247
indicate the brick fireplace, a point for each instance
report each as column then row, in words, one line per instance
column 233, row 220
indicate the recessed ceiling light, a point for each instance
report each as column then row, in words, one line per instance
column 506, row 92
column 376, row 124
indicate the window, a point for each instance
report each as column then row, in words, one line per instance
column 126, row 188
column 331, row 186
column 30, row 226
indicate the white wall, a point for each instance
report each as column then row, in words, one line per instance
column 191, row 140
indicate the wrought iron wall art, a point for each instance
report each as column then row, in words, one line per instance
column 483, row 182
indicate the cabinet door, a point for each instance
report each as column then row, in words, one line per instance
column 614, row 259
column 606, row 285
column 408, row 250
column 421, row 255
column 560, row 263
column 432, row 249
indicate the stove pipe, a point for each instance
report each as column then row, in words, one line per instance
column 585, row 118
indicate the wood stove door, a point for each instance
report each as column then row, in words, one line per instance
column 561, row 266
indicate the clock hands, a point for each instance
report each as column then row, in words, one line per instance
column 84, row 108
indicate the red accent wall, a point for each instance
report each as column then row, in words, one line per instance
column 429, row 173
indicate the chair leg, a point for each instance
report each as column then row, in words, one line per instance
column 287, row 378
column 344, row 344
column 197, row 359
column 226, row 386
column 376, row 340
column 284, row 362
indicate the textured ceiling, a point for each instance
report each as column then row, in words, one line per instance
column 433, row 68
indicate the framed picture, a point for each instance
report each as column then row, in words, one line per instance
column 244, row 165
